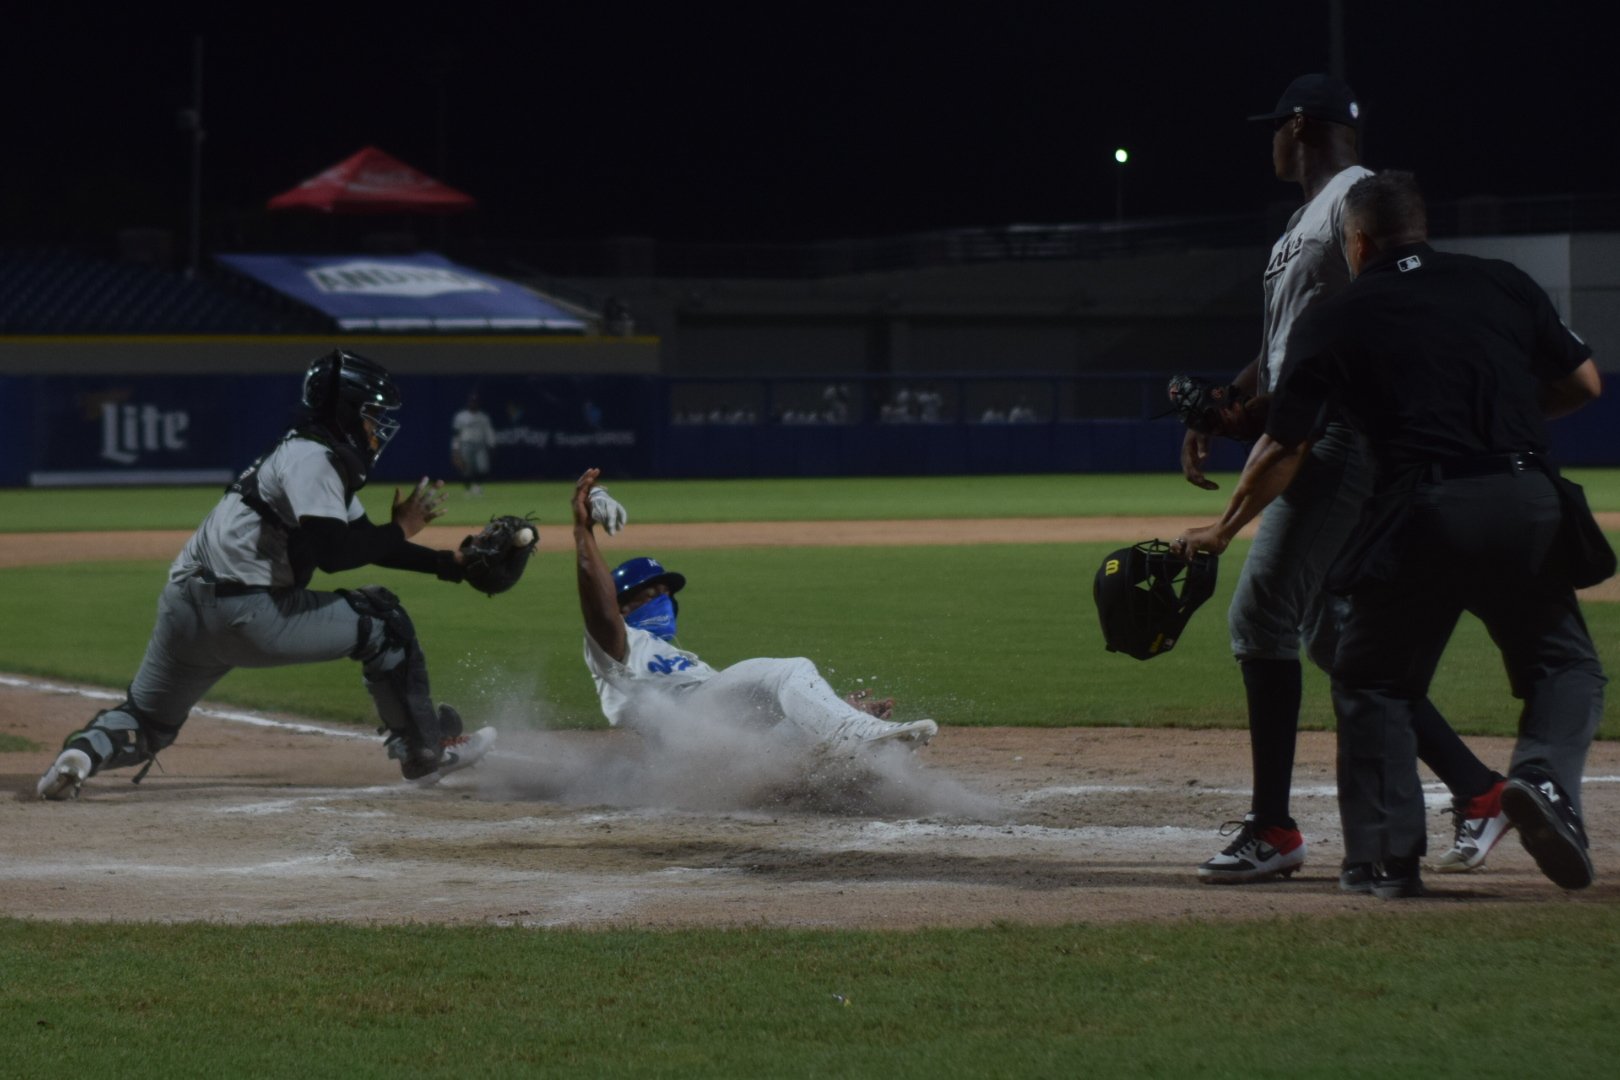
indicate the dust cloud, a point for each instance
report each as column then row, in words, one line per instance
column 682, row 759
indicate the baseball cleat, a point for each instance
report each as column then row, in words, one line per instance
column 66, row 774
column 1549, row 828
column 1254, row 854
column 460, row 752
column 915, row 734
column 1358, row 878
column 1398, row 879
column 1480, row 823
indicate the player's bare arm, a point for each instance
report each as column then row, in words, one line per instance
column 1575, row 390
column 598, row 602
column 1195, row 445
column 1248, row 380
column 1268, row 472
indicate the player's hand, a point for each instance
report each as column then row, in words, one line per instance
column 607, row 511
column 1203, row 538
column 1194, row 452
column 882, row 708
column 425, row 502
column 581, row 503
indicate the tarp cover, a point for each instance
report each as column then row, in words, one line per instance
column 404, row 293
column 374, row 182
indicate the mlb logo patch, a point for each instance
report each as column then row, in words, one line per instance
column 1411, row 262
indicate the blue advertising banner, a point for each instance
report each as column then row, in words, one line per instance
column 93, row 430
column 108, row 430
column 88, row 430
column 551, row 427
column 404, row 293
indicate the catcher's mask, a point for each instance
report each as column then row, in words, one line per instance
column 343, row 390
column 1145, row 596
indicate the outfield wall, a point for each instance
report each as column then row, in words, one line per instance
column 94, row 429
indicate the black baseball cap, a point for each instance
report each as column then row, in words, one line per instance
column 1321, row 97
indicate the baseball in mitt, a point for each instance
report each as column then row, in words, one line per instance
column 495, row 558
column 1214, row 409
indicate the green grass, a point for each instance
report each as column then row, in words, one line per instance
column 1373, row 994
column 11, row 744
column 989, row 634
column 1102, row 495
column 992, row 634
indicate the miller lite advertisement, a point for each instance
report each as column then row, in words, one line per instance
column 90, row 431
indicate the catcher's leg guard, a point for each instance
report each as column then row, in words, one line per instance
column 120, row 737
column 397, row 678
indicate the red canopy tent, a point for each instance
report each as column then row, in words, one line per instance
column 372, row 182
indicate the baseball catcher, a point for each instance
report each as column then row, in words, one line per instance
column 493, row 560
column 239, row 593
column 1211, row 409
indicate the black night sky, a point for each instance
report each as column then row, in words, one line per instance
column 787, row 122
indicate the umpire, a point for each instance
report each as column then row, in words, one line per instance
column 1447, row 366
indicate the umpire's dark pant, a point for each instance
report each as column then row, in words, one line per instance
column 1485, row 545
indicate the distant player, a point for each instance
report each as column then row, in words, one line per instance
column 646, row 682
column 238, row 593
column 472, row 444
column 1280, row 603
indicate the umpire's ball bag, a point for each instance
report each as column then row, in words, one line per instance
column 1145, row 597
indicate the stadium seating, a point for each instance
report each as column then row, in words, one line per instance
column 60, row 291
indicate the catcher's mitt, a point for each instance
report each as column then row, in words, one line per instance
column 1210, row 409
column 495, row 559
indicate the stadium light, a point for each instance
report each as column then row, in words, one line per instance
column 1121, row 156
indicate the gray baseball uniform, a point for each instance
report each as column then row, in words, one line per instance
column 1279, row 601
column 235, row 598
column 474, row 438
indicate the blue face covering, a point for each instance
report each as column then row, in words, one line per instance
column 656, row 616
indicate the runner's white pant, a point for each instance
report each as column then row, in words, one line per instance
column 792, row 691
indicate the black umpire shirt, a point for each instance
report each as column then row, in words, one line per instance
column 1431, row 357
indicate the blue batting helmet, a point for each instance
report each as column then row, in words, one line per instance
column 632, row 574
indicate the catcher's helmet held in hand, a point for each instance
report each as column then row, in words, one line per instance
column 342, row 390
column 1145, row 596
column 632, row 574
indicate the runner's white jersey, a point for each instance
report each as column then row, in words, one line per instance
column 296, row 479
column 651, row 667
column 1306, row 264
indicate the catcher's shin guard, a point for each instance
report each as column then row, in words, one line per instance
column 396, row 677
column 122, row 736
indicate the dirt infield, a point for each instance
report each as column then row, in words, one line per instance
column 264, row 819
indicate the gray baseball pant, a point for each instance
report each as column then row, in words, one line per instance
column 200, row 637
column 1279, row 602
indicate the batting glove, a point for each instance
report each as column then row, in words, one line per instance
column 607, row 512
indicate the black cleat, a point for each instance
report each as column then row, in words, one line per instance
column 1549, row 828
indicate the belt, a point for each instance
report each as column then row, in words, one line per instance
column 231, row 588
column 1519, row 461
column 236, row 588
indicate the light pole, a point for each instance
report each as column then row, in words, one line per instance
column 191, row 123
column 1121, row 156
